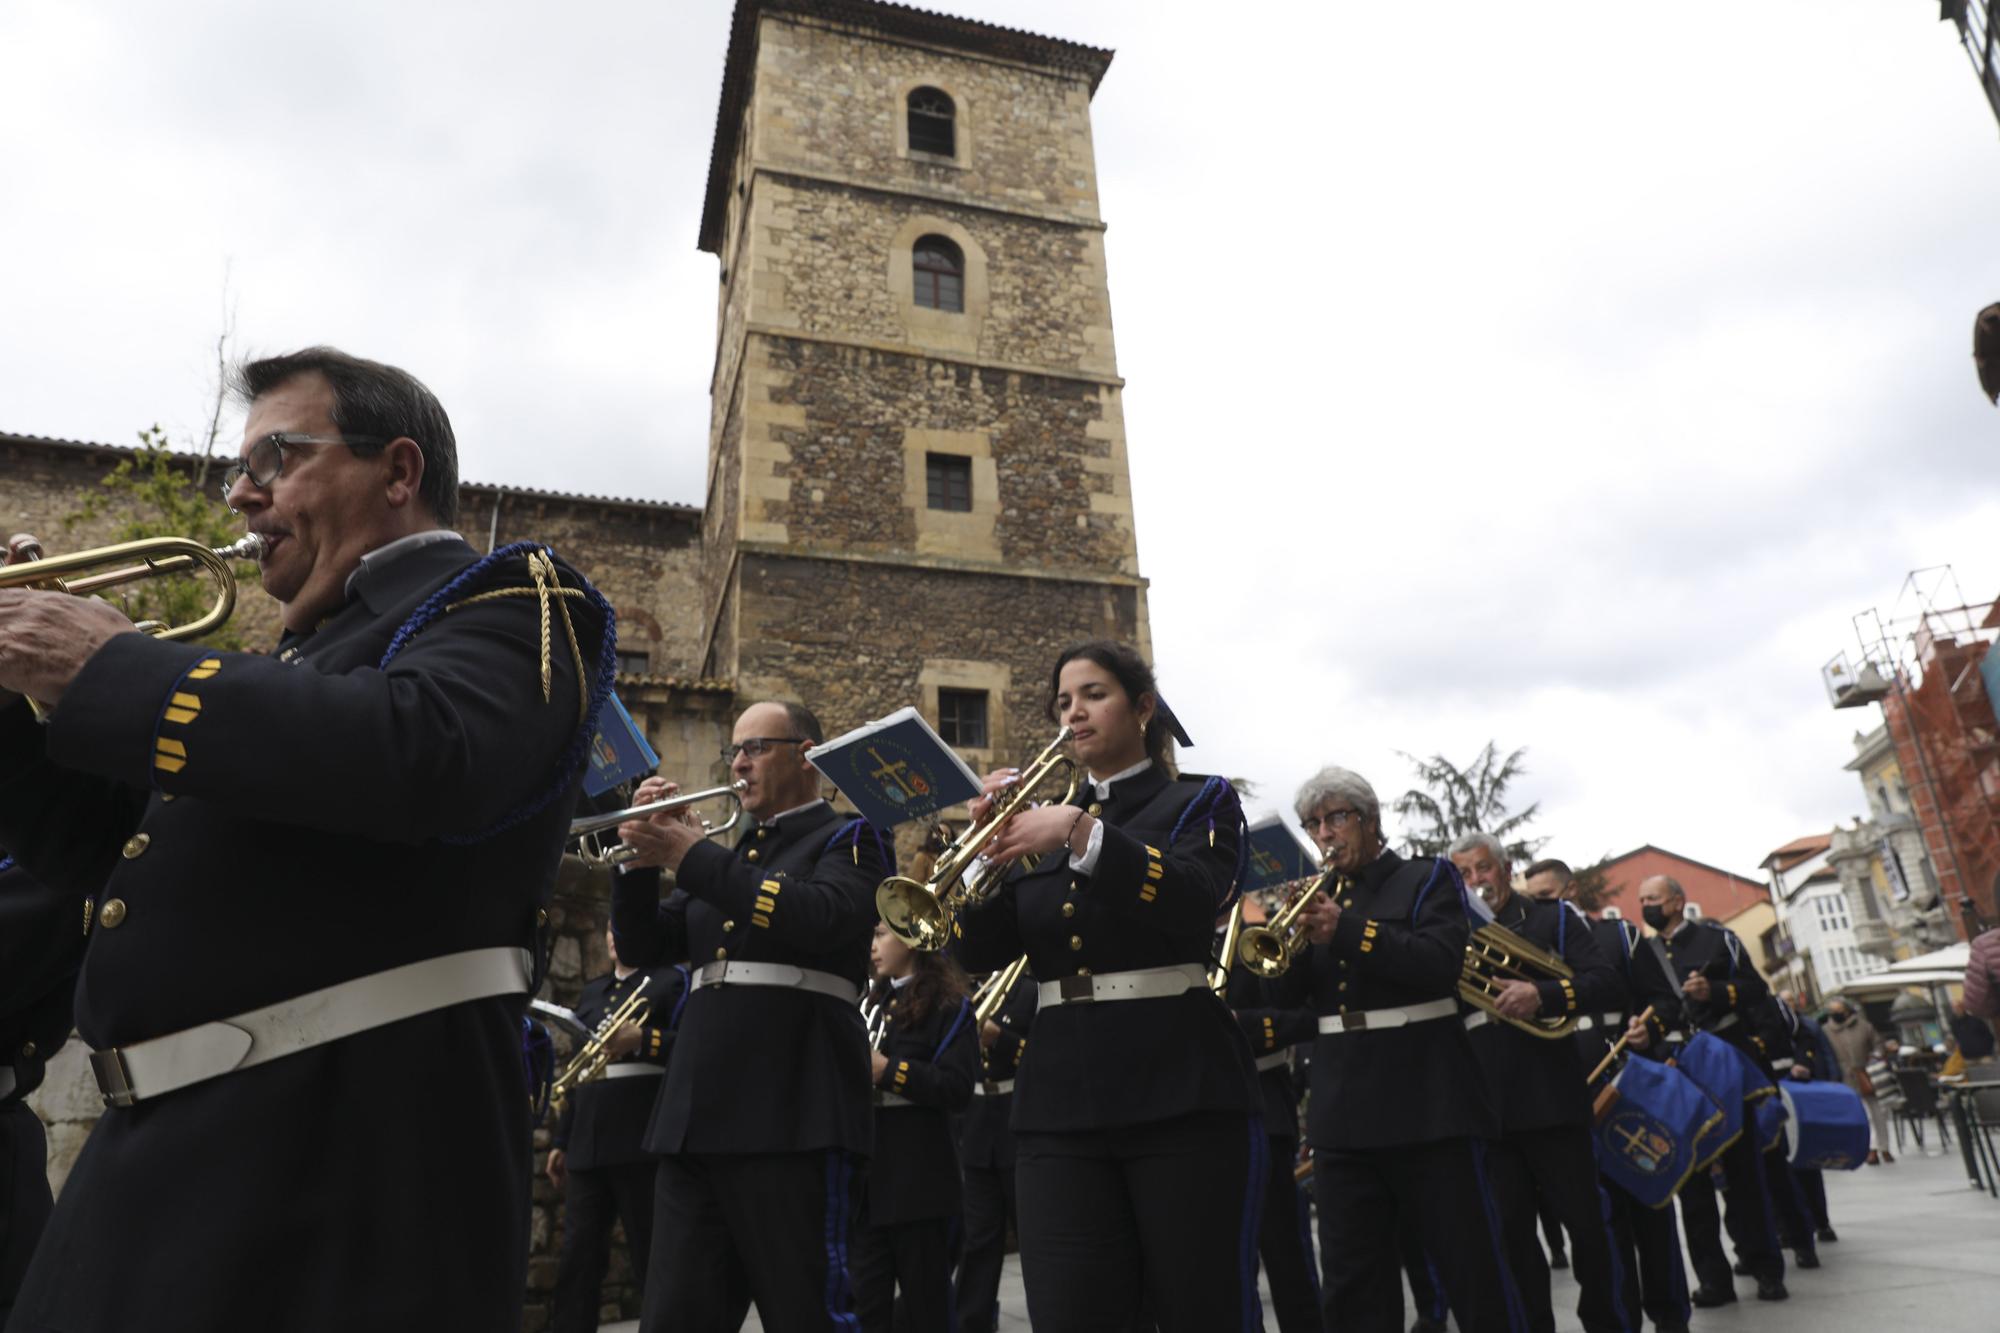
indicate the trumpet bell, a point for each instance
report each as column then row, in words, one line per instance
column 913, row 913
column 1264, row 952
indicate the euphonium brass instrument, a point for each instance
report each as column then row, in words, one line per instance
column 1495, row 956
column 135, row 562
column 584, row 829
column 993, row 992
column 591, row 1057
column 920, row 914
column 1267, row 950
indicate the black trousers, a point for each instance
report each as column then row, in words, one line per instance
column 1812, row 1187
column 770, row 1227
column 989, row 1207
column 902, row 1276
column 592, row 1201
column 1790, row 1212
column 1749, row 1219
column 1551, row 1219
column 1442, row 1189
column 25, row 1200
column 1161, row 1217
column 1557, row 1165
column 1426, row 1287
column 1653, row 1280
column 1284, row 1243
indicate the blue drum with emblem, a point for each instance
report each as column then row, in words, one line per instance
column 1827, row 1123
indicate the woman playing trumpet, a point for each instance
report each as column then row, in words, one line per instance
column 1139, row 1144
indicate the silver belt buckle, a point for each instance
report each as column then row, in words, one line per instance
column 712, row 974
column 1354, row 1022
column 1074, row 989
column 113, row 1080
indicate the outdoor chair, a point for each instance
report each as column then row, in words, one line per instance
column 1920, row 1102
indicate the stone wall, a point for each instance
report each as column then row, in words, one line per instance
column 844, row 459
column 854, row 639
column 833, row 260
column 643, row 555
column 832, row 101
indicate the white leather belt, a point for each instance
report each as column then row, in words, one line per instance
column 633, row 1069
column 987, row 1087
column 1674, row 1036
column 1589, row 1021
column 1152, row 983
column 1724, row 1023
column 1367, row 1020
column 1275, row 1060
column 1781, row 1065
column 6, row 1082
column 776, row 974
column 128, row 1074
column 891, row 1099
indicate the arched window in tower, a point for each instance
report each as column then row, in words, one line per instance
column 940, row 273
column 933, row 122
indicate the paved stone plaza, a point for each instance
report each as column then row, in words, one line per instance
column 1919, row 1252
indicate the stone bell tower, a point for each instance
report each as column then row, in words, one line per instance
column 917, row 482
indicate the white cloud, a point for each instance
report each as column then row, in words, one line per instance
column 1564, row 373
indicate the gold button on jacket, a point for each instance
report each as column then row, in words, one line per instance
column 112, row 914
column 135, row 846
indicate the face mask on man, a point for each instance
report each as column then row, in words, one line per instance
column 1656, row 915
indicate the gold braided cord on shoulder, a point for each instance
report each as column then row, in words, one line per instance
column 548, row 584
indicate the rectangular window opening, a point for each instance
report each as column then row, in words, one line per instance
column 948, row 483
column 634, row 664
column 962, row 718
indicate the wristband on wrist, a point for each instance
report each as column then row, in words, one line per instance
column 1069, row 837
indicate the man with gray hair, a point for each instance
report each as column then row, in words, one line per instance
column 1399, row 1113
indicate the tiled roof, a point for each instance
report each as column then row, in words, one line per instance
column 482, row 488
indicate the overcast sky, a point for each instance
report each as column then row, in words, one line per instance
column 1555, row 372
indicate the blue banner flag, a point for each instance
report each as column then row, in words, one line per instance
column 1716, row 1068
column 895, row 769
column 1647, row 1143
column 1276, row 855
column 618, row 752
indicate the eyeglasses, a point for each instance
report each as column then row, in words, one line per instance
column 265, row 462
column 1335, row 819
column 757, row 746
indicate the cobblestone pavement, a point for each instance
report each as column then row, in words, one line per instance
column 1919, row 1252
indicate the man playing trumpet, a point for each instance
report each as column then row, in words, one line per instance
column 1399, row 1110
column 314, row 882
column 764, row 1115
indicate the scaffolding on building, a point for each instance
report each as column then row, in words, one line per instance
column 1975, row 33
column 1922, row 661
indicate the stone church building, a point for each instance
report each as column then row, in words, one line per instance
column 917, row 488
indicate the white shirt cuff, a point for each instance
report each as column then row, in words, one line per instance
column 1086, row 863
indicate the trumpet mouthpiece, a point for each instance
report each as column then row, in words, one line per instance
column 250, row 546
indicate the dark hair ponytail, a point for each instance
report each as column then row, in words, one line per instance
column 1132, row 674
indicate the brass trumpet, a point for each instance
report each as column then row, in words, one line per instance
column 1218, row 976
column 584, row 830
column 921, row 914
column 992, row 993
column 1268, row 950
column 592, row 1057
column 135, row 562
column 1495, row 956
